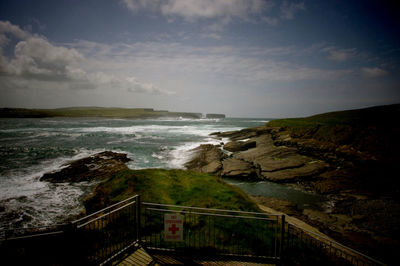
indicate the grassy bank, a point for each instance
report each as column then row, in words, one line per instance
column 370, row 129
column 177, row 187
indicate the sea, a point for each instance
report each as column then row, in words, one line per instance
column 30, row 147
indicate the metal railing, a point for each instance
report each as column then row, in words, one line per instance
column 215, row 231
column 91, row 240
column 312, row 247
column 110, row 231
column 101, row 236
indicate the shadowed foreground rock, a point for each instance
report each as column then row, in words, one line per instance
column 96, row 167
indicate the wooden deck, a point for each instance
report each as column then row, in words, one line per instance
column 141, row 257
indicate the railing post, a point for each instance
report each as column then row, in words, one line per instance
column 138, row 218
column 282, row 237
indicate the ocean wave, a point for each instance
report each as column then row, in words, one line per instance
column 28, row 201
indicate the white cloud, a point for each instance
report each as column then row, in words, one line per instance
column 339, row 55
column 246, row 64
column 7, row 29
column 192, row 10
column 219, row 12
column 288, row 10
column 373, row 72
column 39, row 64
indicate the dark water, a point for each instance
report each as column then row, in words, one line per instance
column 301, row 198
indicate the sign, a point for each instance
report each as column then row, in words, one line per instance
column 173, row 227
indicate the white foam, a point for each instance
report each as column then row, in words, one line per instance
column 27, row 198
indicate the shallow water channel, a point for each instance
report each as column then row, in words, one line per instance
column 301, row 198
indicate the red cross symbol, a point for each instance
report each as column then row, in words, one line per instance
column 173, row 229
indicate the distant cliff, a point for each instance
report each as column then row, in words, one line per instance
column 133, row 113
column 215, row 116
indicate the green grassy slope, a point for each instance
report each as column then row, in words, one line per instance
column 170, row 187
column 372, row 129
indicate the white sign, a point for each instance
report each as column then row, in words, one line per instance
column 173, row 227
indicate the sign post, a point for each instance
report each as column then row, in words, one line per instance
column 173, row 227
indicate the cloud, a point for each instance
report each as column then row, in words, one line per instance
column 220, row 12
column 192, row 10
column 245, row 64
column 36, row 58
column 272, row 21
column 38, row 63
column 339, row 55
column 373, row 72
column 288, row 10
column 7, row 30
column 130, row 84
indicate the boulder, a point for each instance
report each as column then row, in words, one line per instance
column 232, row 167
column 234, row 146
column 96, row 167
column 289, row 175
column 206, row 159
column 242, row 134
column 271, row 163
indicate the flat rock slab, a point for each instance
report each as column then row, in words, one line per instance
column 271, row 164
column 96, row 167
column 207, row 159
column 288, row 175
column 234, row 146
column 232, row 167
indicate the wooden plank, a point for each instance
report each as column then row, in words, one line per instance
column 139, row 257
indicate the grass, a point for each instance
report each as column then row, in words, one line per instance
column 364, row 129
column 186, row 188
column 176, row 187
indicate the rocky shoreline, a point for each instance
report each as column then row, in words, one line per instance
column 362, row 214
column 99, row 166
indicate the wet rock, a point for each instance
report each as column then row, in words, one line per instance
column 96, row 167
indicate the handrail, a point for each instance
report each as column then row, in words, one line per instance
column 336, row 243
column 214, row 214
column 210, row 209
column 102, row 210
column 106, row 214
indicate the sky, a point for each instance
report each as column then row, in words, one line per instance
column 242, row 58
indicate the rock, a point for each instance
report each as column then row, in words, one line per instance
column 207, row 159
column 271, row 164
column 234, row 146
column 212, row 167
column 232, row 167
column 242, row 134
column 292, row 174
column 96, row 167
column 281, row 205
